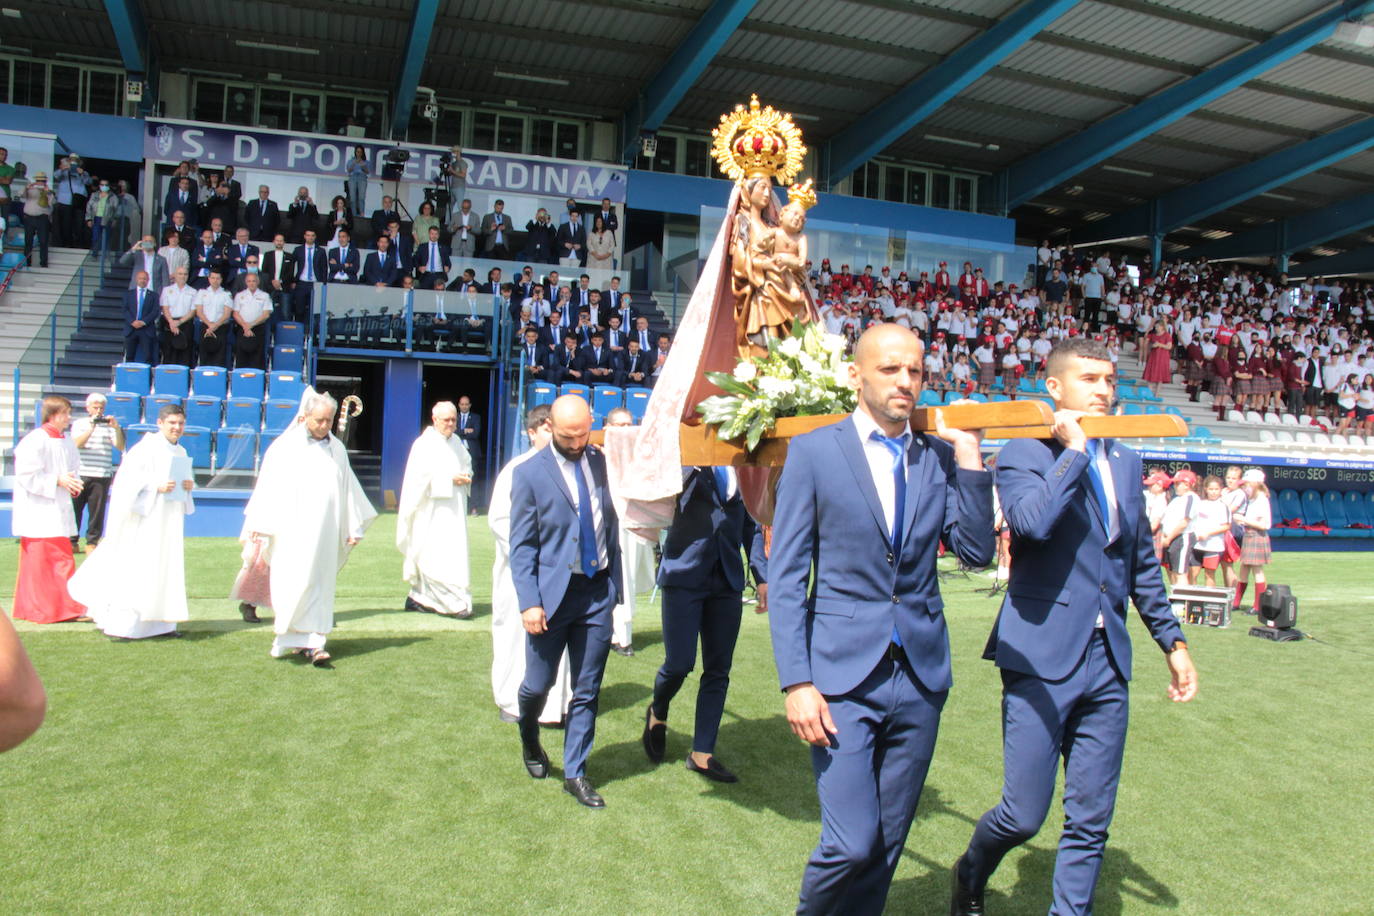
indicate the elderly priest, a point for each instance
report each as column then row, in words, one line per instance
column 431, row 525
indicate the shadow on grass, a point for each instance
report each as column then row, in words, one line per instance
column 347, row 647
column 623, row 695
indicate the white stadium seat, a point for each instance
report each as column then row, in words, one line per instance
column 1267, row 436
column 1235, row 416
column 1303, row 437
column 1322, row 439
column 1288, row 420
column 1253, row 417
column 1284, row 437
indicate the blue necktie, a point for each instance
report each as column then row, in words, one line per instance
column 586, row 528
column 897, row 446
column 722, row 476
column 1098, row 489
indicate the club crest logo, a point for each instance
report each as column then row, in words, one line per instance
column 164, row 137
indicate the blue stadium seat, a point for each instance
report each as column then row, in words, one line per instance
column 1313, row 509
column 951, row 396
column 928, row 398
column 247, row 383
column 978, row 398
column 285, row 386
column 637, row 400
column 288, row 358
column 581, row 391
column 278, row 414
column 134, row 434
column 1145, row 394
column 1133, row 410
column 1357, row 513
column 126, row 405
column 235, row 449
column 265, row 442
column 606, row 398
column 202, row 410
column 1290, row 506
column 10, row 260
column 152, row 403
column 172, row 379
column 243, row 413
column 1334, row 500
column 1026, row 385
column 196, row 441
column 133, row 377
column 998, row 398
column 289, row 334
column 210, row 381
column 597, row 422
column 541, row 393
column 1174, row 411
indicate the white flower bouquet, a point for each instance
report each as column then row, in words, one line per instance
column 803, row 376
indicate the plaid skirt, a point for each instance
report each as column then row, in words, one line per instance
column 1192, row 372
column 987, row 373
column 1254, row 549
column 1242, row 387
column 1275, row 384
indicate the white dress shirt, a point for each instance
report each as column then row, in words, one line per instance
column 251, row 305
column 879, row 459
column 179, row 301
column 566, row 468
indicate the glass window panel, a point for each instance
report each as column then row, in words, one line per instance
column 274, row 105
column 370, row 113
column 421, row 129
column 207, row 103
column 65, row 92
column 510, row 134
column 916, row 181
column 105, row 92
column 666, row 158
column 305, row 111
column 484, row 130
column 337, row 110
column 698, row 158
column 963, row 193
column 448, row 130
column 541, row 137
column 4, row 80
column 30, row 83
column 567, row 140
column 894, row 183
column 238, row 105
column 939, row 191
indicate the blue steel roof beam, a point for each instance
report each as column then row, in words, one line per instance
column 1043, row 170
column 1302, row 231
column 131, row 34
column 412, row 65
column 1355, row 261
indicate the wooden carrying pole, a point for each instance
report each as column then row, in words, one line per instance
column 1138, row 426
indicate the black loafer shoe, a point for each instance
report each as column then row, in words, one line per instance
column 962, row 901
column 249, row 612
column 655, row 738
column 536, row 761
column 581, row 789
column 714, row 769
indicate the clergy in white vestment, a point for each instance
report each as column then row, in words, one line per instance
column 134, row 583
column 46, row 478
column 309, row 510
column 636, row 558
column 507, row 631
column 431, row 521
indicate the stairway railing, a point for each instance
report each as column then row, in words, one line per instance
column 40, row 357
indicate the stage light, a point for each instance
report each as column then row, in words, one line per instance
column 1278, row 610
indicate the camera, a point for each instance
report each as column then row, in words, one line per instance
column 101, row 420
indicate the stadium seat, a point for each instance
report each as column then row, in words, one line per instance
column 172, row 379
column 928, row 398
column 998, row 398
column 1174, row 411
column 1356, row 509
column 1334, row 502
column 1133, row 410
column 235, row 449
column 1267, row 437
column 1026, row 386
column 196, row 441
column 1040, row 386
column 126, row 405
column 205, row 411
column 1234, row 416
column 1125, row 392
column 285, row 386
column 210, row 381
column 1303, row 437
column 952, row 395
column 152, row 403
column 247, row 383
column 265, row 441
column 606, row 398
column 637, row 400
column 278, row 414
column 1305, row 420
column 978, row 398
column 1145, row 394
column 1253, row 418
column 597, row 422
column 1271, row 419
column 289, row 334
column 1288, row 420
column 243, row 413
column 1369, row 506
column 581, row 391
column 541, row 393
column 134, row 434
column 1322, row 439
column 1283, row 437
column 1313, row 509
column 1339, row 440
column 288, row 358
column 1289, row 506
column 133, row 377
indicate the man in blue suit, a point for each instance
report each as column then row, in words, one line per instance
column 565, row 560
column 141, row 311
column 343, row 260
column 1081, row 547
column 861, row 648
column 702, row 578
column 381, row 268
column 311, row 266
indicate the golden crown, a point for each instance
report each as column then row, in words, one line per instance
column 758, row 142
column 803, row 195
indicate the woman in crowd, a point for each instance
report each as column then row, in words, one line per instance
column 1157, row 363
column 600, row 244
column 1364, row 406
column 1256, row 518
column 102, row 216
column 1194, row 368
column 425, row 219
column 1209, row 526
column 173, row 253
column 341, row 218
column 359, row 170
column 1347, row 394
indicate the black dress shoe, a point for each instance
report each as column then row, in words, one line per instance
column 714, row 769
column 655, row 738
column 581, row 789
column 962, row 901
column 536, row 761
column 249, row 612
column 626, row 651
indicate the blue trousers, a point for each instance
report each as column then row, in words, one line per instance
column 1083, row 719
column 582, row 626
column 869, row 780
column 712, row 613
column 141, row 346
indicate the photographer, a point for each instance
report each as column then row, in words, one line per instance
column 453, row 178
column 539, row 239
column 95, row 436
column 72, row 184
column 303, row 214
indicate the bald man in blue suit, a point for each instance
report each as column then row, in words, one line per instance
column 861, row 647
column 1081, row 548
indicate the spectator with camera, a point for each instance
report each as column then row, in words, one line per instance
column 95, row 435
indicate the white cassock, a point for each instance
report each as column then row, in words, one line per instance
column 507, row 632
column 637, row 565
column 431, row 524
column 134, row 584
column 307, row 503
column 43, row 520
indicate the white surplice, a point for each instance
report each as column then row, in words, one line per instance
column 637, row 565
column 42, row 508
column 431, row 524
column 508, row 638
column 134, row 584
column 308, row 503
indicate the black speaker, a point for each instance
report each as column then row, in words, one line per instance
column 1278, row 610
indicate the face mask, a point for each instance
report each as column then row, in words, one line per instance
column 105, row 188
column 252, row 268
column 148, row 248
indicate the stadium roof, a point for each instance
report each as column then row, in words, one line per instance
column 1019, row 78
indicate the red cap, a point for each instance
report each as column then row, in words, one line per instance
column 1185, row 475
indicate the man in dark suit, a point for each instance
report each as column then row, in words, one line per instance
column 551, row 334
column 381, row 269
column 612, row 297
column 278, row 278
column 565, row 362
column 585, row 329
column 402, row 245
column 261, row 216
column 206, row 258
column 607, row 214
column 229, row 181
column 598, row 367
column 571, row 241
column 470, row 431
column 496, row 228
column 702, row 580
column 565, row 560
column 432, row 261
column 616, row 338
column 646, row 338
column 180, row 196
column 535, row 357
column 186, row 236
column 239, row 251
column 582, row 296
column 863, row 653
column 1083, row 548
column 634, row 367
column 221, row 207
column 343, row 260
column 303, row 214
column 312, row 266
column 141, row 310
column 383, row 215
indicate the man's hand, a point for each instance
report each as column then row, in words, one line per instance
column 139, row 324
column 71, row 483
column 809, row 715
column 167, row 487
column 761, row 590
column 1182, row 675
column 187, row 485
column 461, row 479
column 534, row 621
column 967, row 442
column 1067, row 430
column 353, row 542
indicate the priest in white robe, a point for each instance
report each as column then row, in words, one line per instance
column 431, row 522
column 46, row 478
column 134, row 583
column 636, row 558
column 507, row 631
column 309, row 510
